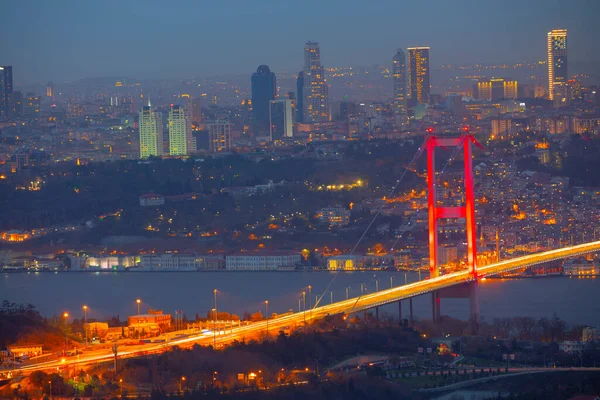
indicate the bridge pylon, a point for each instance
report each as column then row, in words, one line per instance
column 467, row 211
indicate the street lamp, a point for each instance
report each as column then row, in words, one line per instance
column 138, row 301
column 121, row 386
column 347, row 289
column 310, row 300
column 85, row 322
column 304, row 306
column 267, row 314
column 66, row 317
column 214, row 378
column 214, row 310
column 50, row 383
column 182, row 380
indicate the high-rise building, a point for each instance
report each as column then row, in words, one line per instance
column 151, row 133
column 15, row 105
column 300, row 104
column 418, row 75
column 32, row 105
column 264, row 89
column 315, row 92
column 497, row 89
column 399, row 80
column 50, row 90
column 281, row 119
column 557, row 60
column 180, row 132
column 6, row 88
column 219, row 136
column 196, row 115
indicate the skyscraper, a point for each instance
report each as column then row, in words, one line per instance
column 418, row 74
column 557, row 60
column 300, row 101
column 219, row 136
column 281, row 119
column 264, row 89
column 315, row 93
column 180, row 132
column 151, row 133
column 6, row 88
column 399, row 78
column 50, row 90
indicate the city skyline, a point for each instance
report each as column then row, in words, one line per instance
column 74, row 57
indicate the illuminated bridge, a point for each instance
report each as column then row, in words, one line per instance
column 433, row 284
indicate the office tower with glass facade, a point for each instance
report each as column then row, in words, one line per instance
column 557, row 60
column 418, row 75
column 219, row 136
column 281, row 119
column 399, row 81
column 315, row 93
column 151, row 133
column 300, row 97
column 180, row 132
column 6, row 89
column 264, row 89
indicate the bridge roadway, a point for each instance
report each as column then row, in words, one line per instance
column 364, row 302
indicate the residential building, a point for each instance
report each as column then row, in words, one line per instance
column 590, row 335
column 501, row 128
column 399, row 81
column 334, row 216
column 281, row 121
column 180, row 132
column 315, row 91
column 31, row 105
column 262, row 261
column 219, row 137
column 20, row 350
column 264, row 90
column 151, row 324
column 557, row 60
column 151, row 133
column 418, row 75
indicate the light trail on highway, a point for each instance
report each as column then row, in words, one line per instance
column 352, row 305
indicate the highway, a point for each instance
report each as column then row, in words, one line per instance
column 364, row 302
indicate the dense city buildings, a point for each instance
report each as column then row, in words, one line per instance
column 6, row 89
column 315, row 91
column 219, row 136
column 557, row 61
column 151, row 132
column 418, row 75
column 264, row 90
column 181, row 142
column 399, row 81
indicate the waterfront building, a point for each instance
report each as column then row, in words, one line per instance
column 151, row 200
column 581, row 268
column 418, row 75
column 557, row 60
column 315, row 92
column 151, row 133
column 262, row 261
column 264, row 90
column 345, row 262
column 168, row 262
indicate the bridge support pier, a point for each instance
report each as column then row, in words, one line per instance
column 474, row 307
column 435, row 306
column 400, row 312
column 377, row 314
column 411, row 311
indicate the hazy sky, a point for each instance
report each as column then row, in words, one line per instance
column 65, row 40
